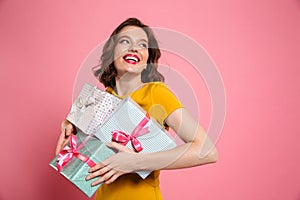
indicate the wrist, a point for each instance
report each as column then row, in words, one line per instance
column 141, row 162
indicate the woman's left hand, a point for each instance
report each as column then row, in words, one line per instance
column 123, row 162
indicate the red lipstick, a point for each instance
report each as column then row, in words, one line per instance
column 131, row 58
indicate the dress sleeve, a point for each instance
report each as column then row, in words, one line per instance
column 164, row 103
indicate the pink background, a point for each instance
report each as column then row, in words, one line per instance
column 255, row 45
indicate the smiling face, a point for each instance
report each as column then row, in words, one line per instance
column 131, row 51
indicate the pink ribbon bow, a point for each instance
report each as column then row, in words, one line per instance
column 69, row 152
column 124, row 138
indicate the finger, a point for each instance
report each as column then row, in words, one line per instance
column 97, row 182
column 58, row 147
column 113, row 178
column 105, row 177
column 97, row 167
column 97, row 173
column 66, row 141
column 67, row 127
column 117, row 147
column 61, row 143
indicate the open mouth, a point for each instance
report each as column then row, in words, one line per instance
column 131, row 58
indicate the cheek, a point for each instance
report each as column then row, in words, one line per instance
column 118, row 51
column 145, row 55
column 117, row 54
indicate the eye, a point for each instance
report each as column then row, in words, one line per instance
column 143, row 45
column 124, row 41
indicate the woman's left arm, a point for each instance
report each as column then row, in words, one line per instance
column 197, row 150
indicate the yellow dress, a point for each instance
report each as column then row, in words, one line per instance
column 159, row 102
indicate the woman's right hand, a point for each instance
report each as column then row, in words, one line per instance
column 67, row 129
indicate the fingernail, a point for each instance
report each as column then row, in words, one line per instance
column 93, row 184
column 87, row 178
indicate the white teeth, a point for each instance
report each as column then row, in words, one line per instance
column 131, row 58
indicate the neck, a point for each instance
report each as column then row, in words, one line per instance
column 126, row 85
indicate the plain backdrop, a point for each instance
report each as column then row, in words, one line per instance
column 255, row 45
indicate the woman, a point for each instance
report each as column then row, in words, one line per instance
column 129, row 67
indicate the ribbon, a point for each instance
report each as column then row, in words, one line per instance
column 81, row 104
column 73, row 151
column 124, row 138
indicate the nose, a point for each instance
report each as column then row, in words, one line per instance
column 133, row 48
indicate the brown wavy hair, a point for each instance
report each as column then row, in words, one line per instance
column 107, row 71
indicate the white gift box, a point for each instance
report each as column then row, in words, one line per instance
column 91, row 108
column 125, row 118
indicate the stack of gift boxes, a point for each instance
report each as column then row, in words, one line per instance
column 99, row 118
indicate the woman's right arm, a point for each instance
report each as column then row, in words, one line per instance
column 67, row 129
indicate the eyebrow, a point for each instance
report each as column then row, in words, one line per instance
column 125, row 36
